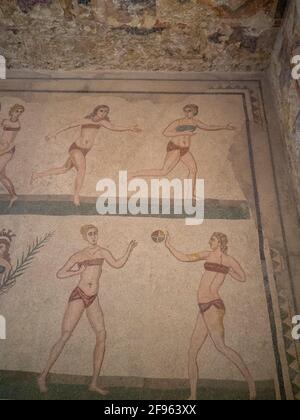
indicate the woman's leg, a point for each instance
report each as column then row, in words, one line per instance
column 79, row 162
column 95, row 316
column 191, row 164
column 198, row 339
column 53, row 171
column 171, row 161
column 214, row 319
column 5, row 180
column 9, row 186
column 72, row 316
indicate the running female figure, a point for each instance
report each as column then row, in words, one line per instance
column 9, row 129
column 180, row 133
column 88, row 265
column 210, row 322
column 89, row 128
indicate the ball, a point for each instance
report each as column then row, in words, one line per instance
column 158, row 236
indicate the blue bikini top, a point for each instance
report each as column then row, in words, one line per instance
column 182, row 128
column 2, row 269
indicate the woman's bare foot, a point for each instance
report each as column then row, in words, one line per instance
column 12, row 201
column 98, row 390
column 41, row 381
column 192, row 398
column 77, row 201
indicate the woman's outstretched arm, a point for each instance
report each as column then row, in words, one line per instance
column 207, row 127
column 114, row 127
column 119, row 263
column 180, row 256
column 66, row 128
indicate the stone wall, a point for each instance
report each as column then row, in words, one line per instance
column 287, row 89
column 174, row 35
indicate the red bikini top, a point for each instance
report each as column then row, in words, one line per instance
column 92, row 263
column 11, row 128
column 96, row 126
column 217, row 268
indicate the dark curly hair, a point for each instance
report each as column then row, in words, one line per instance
column 15, row 108
column 193, row 107
column 95, row 112
column 223, row 241
column 84, row 230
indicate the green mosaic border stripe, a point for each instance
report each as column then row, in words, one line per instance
column 63, row 206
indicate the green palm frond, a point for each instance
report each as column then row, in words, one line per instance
column 23, row 263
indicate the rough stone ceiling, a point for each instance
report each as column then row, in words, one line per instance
column 175, row 35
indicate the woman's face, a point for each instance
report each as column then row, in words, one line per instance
column 102, row 113
column 189, row 113
column 92, row 237
column 3, row 249
column 214, row 243
column 16, row 114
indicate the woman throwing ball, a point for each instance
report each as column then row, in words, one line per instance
column 210, row 322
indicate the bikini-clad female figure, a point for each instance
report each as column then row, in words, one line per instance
column 180, row 133
column 9, row 129
column 210, row 321
column 89, row 128
column 87, row 264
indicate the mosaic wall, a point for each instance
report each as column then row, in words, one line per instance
column 194, row 35
column 166, row 303
column 287, row 90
